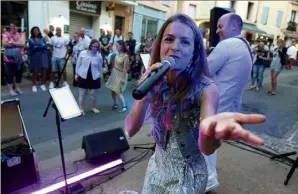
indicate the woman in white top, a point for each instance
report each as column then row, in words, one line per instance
column 88, row 69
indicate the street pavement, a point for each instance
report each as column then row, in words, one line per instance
column 239, row 171
column 279, row 132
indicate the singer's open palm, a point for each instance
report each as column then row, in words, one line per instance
column 227, row 126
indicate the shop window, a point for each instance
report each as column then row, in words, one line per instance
column 149, row 25
column 192, row 11
column 15, row 11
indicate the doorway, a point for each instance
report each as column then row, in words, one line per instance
column 119, row 23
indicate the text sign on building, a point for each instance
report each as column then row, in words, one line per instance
column 86, row 6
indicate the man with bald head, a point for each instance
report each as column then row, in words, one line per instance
column 84, row 40
column 230, row 66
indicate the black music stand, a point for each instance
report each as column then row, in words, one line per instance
column 295, row 164
column 65, row 107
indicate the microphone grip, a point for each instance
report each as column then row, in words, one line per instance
column 153, row 78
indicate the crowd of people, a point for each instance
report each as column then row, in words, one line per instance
column 116, row 58
column 279, row 58
column 194, row 106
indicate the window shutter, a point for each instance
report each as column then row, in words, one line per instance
column 279, row 18
column 265, row 14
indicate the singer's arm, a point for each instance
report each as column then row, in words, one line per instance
column 136, row 116
column 209, row 104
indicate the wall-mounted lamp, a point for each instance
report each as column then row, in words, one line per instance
column 110, row 8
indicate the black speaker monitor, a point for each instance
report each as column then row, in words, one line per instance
column 215, row 14
column 105, row 146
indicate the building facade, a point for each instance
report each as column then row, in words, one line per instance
column 15, row 10
column 200, row 12
column 149, row 16
column 290, row 29
column 72, row 15
column 272, row 18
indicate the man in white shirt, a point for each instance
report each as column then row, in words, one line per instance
column 230, row 66
column 60, row 50
column 84, row 40
column 292, row 54
column 114, row 40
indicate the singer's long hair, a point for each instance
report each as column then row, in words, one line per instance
column 189, row 78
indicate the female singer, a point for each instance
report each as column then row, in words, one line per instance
column 183, row 108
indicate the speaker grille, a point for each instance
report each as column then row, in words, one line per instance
column 105, row 145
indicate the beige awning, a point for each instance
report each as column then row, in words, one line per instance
column 134, row 3
column 252, row 28
column 291, row 34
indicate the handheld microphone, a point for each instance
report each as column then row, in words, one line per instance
column 153, row 78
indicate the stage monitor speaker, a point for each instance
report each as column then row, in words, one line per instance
column 215, row 14
column 19, row 167
column 105, row 146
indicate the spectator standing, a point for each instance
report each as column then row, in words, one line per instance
column 88, row 70
column 292, row 54
column 147, row 44
column 104, row 44
column 84, row 40
column 131, row 44
column 278, row 60
column 38, row 57
column 118, row 79
column 51, row 32
column 259, row 66
column 60, row 51
column 76, row 47
column 14, row 57
column 114, row 40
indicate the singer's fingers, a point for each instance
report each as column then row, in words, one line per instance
column 144, row 76
column 155, row 66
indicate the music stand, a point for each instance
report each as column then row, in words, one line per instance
column 66, row 108
column 295, row 164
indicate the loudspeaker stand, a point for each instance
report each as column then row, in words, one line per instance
column 145, row 148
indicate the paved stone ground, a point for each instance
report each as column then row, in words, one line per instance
column 239, row 171
column 279, row 131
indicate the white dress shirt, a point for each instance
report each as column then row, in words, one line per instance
column 87, row 58
column 292, row 52
column 230, row 66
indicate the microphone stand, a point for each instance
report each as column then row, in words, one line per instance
column 58, row 123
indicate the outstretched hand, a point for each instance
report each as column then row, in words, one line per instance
column 227, row 126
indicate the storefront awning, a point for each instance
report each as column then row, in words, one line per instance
column 133, row 2
column 291, row 34
column 253, row 28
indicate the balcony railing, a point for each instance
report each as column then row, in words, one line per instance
column 292, row 26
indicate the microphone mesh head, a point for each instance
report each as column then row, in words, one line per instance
column 169, row 60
